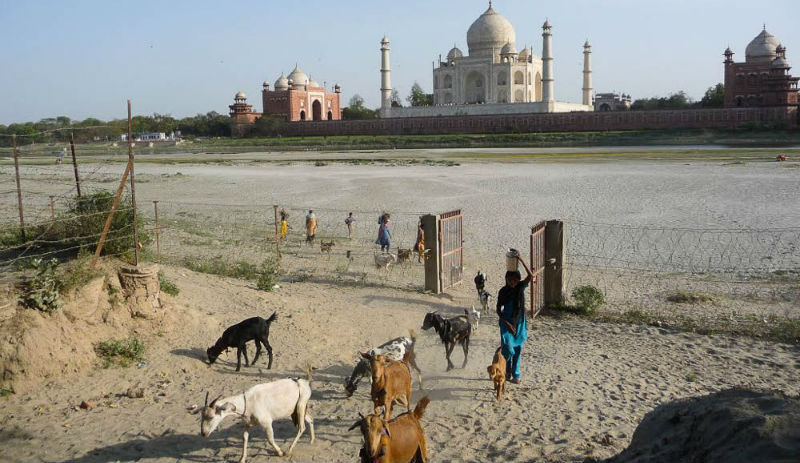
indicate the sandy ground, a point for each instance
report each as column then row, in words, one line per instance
column 586, row 384
column 583, row 381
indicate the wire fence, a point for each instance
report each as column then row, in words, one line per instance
column 741, row 272
column 192, row 233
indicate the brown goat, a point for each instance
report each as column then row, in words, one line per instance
column 497, row 373
column 391, row 381
column 399, row 440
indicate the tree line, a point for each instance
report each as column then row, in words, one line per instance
column 58, row 129
column 713, row 98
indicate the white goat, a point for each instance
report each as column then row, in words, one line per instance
column 261, row 405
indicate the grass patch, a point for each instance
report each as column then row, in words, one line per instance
column 689, row 297
column 78, row 273
column 691, row 377
column 219, row 266
column 166, row 285
column 6, row 391
column 120, row 352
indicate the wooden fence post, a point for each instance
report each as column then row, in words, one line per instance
column 133, row 191
column 158, row 233
column 554, row 262
column 52, row 208
column 75, row 163
column 433, row 282
column 19, row 190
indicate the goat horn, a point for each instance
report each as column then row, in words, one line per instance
column 206, row 402
column 213, row 402
column 361, row 415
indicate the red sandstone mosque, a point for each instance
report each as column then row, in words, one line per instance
column 763, row 78
column 295, row 98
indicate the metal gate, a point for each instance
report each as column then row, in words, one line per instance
column 537, row 267
column 451, row 249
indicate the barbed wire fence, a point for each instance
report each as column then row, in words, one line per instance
column 729, row 272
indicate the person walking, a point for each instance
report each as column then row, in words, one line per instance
column 511, row 311
column 284, row 223
column 384, row 235
column 311, row 226
column 419, row 246
column 350, row 221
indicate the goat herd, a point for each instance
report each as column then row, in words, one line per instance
column 386, row 439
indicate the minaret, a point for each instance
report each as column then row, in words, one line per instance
column 587, row 73
column 386, row 77
column 547, row 62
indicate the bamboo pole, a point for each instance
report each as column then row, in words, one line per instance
column 133, row 191
column 158, row 236
column 52, row 208
column 277, row 233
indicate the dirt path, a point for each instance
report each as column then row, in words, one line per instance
column 585, row 384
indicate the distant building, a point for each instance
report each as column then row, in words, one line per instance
column 300, row 98
column 242, row 113
column 612, row 102
column 763, row 78
column 492, row 77
column 152, row 136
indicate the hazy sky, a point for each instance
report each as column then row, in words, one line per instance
column 85, row 58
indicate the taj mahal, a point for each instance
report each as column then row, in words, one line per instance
column 493, row 78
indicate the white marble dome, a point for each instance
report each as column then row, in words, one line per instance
column 298, row 78
column 282, row 83
column 489, row 32
column 312, row 82
column 454, row 53
column 762, row 48
column 240, row 95
column 508, row 49
column 525, row 54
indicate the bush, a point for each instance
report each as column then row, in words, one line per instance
column 6, row 391
column 79, row 229
column 167, row 286
column 41, row 292
column 121, row 352
column 78, row 273
column 266, row 275
column 689, row 297
column 588, row 299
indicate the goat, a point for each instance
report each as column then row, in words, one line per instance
column 497, row 372
column 401, row 439
column 384, row 260
column 452, row 331
column 403, row 255
column 474, row 317
column 253, row 329
column 261, row 405
column 326, row 247
column 400, row 349
column 480, row 281
column 391, row 381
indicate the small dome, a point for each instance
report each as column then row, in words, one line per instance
column 282, row 83
column 762, row 49
column 312, row 82
column 780, row 63
column 455, row 53
column 298, row 78
column 525, row 54
column 384, row 41
column 508, row 49
column 546, row 24
column 489, row 32
column 587, row 44
column 240, row 95
column 728, row 51
column 266, row 83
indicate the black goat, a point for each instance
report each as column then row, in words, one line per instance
column 452, row 331
column 253, row 329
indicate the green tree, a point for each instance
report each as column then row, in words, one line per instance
column 356, row 110
column 714, row 97
column 265, row 126
column 679, row 100
column 396, row 103
column 418, row 97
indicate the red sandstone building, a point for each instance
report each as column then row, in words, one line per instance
column 763, row 79
column 295, row 98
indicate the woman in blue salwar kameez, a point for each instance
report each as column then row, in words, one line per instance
column 511, row 311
